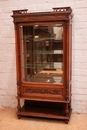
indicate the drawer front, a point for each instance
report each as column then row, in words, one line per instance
column 43, row 93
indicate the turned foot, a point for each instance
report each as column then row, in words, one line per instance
column 19, row 117
column 66, row 121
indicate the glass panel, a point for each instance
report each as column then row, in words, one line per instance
column 42, row 53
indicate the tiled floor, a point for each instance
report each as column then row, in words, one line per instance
column 9, row 121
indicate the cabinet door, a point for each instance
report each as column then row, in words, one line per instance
column 42, row 55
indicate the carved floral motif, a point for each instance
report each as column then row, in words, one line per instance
column 42, row 91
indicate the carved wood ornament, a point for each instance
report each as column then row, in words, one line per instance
column 42, row 91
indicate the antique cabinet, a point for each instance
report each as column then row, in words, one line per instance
column 43, row 61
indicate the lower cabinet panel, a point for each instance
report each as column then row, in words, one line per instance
column 45, row 110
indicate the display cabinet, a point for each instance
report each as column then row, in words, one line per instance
column 43, row 60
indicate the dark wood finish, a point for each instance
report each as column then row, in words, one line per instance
column 42, row 97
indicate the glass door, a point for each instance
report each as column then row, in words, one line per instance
column 42, row 53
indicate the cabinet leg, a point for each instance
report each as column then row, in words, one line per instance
column 67, row 109
column 19, row 117
column 19, row 106
column 66, row 121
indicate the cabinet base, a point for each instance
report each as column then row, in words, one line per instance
column 45, row 110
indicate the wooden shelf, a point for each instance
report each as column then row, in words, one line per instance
column 53, row 112
column 60, row 72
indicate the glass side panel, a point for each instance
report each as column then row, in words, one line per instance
column 42, row 53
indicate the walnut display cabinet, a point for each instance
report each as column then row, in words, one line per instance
column 43, row 60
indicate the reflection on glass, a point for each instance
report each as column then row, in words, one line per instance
column 42, row 54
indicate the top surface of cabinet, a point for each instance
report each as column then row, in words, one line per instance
column 62, row 13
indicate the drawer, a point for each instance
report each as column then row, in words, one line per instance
column 40, row 93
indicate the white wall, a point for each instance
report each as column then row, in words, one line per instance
column 7, row 49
